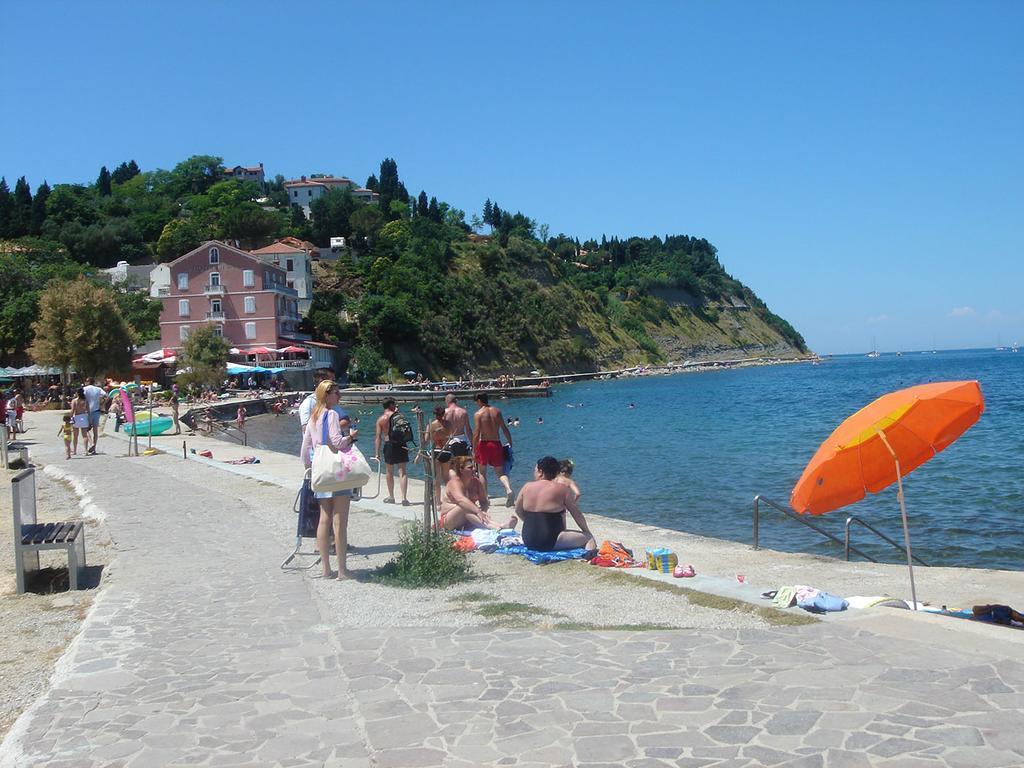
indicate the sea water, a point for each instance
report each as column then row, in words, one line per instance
column 694, row 449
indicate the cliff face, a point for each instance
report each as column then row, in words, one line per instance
column 428, row 300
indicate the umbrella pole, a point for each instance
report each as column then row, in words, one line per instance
column 903, row 514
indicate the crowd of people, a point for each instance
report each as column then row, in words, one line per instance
column 462, row 451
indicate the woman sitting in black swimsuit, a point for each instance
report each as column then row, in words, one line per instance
column 542, row 505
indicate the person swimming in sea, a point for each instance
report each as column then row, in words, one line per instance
column 540, row 419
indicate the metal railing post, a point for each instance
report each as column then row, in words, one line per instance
column 789, row 513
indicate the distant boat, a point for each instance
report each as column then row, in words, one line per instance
column 1015, row 347
column 874, row 348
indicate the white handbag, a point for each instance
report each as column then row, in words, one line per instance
column 337, row 470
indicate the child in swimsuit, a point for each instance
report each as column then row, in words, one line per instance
column 66, row 430
column 565, row 468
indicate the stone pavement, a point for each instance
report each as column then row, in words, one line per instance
column 199, row 651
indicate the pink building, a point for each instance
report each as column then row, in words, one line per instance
column 246, row 300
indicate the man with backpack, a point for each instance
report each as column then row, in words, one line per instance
column 395, row 432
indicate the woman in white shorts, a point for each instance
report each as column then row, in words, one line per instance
column 80, row 419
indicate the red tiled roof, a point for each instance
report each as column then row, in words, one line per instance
column 278, row 247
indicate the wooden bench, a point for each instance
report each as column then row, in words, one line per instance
column 31, row 537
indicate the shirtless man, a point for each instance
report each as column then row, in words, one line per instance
column 395, row 454
column 458, row 423
column 487, row 448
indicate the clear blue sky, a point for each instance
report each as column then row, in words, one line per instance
column 860, row 165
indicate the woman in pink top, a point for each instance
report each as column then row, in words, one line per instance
column 333, row 505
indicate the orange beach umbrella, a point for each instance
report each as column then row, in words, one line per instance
column 883, row 442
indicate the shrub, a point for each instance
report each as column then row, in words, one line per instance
column 425, row 559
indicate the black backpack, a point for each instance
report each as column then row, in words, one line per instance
column 399, row 429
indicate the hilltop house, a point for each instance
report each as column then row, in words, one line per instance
column 252, row 173
column 304, row 191
column 247, row 300
column 295, row 257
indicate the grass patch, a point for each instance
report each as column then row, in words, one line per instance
column 773, row 616
column 507, row 609
column 475, row 597
column 585, row 625
column 425, row 559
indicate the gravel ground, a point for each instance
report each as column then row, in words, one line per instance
column 38, row 626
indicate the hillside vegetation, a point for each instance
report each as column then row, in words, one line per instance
column 421, row 287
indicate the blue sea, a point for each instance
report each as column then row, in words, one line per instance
column 696, row 448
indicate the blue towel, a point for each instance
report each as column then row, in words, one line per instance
column 543, row 558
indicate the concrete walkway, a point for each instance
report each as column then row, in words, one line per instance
column 199, row 651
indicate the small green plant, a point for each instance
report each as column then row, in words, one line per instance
column 425, row 559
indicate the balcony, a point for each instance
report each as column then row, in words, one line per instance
column 163, row 291
column 214, row 315
column 213, row 290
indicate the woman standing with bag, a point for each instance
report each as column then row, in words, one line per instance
column 324, row 429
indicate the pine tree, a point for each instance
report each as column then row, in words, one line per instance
column 124, row 171
column 39, row 209
column 421, row 204
column 495, row 216
column 21, row 214
column 6, row 208
column 103, row 182
column 434, row 210
column 488, row 211
column 371, row 183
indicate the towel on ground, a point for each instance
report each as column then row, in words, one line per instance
column 543, row 558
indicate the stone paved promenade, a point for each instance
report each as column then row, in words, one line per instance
column 200, row 651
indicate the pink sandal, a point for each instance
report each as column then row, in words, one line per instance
column 684, row 573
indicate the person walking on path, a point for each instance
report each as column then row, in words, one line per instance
column 66, row 431
column 240, row 418
column 542, row 506
column 487, row 447
column 396, row 454
column 94, row 398
column 334, row 505
column 80, row 419
column 307, row 405
column 439, row 435
column 458, row 423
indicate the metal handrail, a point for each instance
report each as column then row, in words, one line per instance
column 757, row 524
column 878, row 533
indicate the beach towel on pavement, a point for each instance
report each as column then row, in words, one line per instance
column 823, row 602
column 543, row 558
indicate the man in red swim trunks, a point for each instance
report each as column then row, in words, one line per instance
column 487, row 446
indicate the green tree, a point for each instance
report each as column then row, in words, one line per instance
column 124, row 172
column 39, row 209
column 331, row 213
column 197, row 174
column 371, row 182
column 80, row 326
column 365, row 222
column 6, row 208
column 366, row 364
column 103, row 182
column 21, row 211
column 179, row 237
column 141, row 313
column 205, row 354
